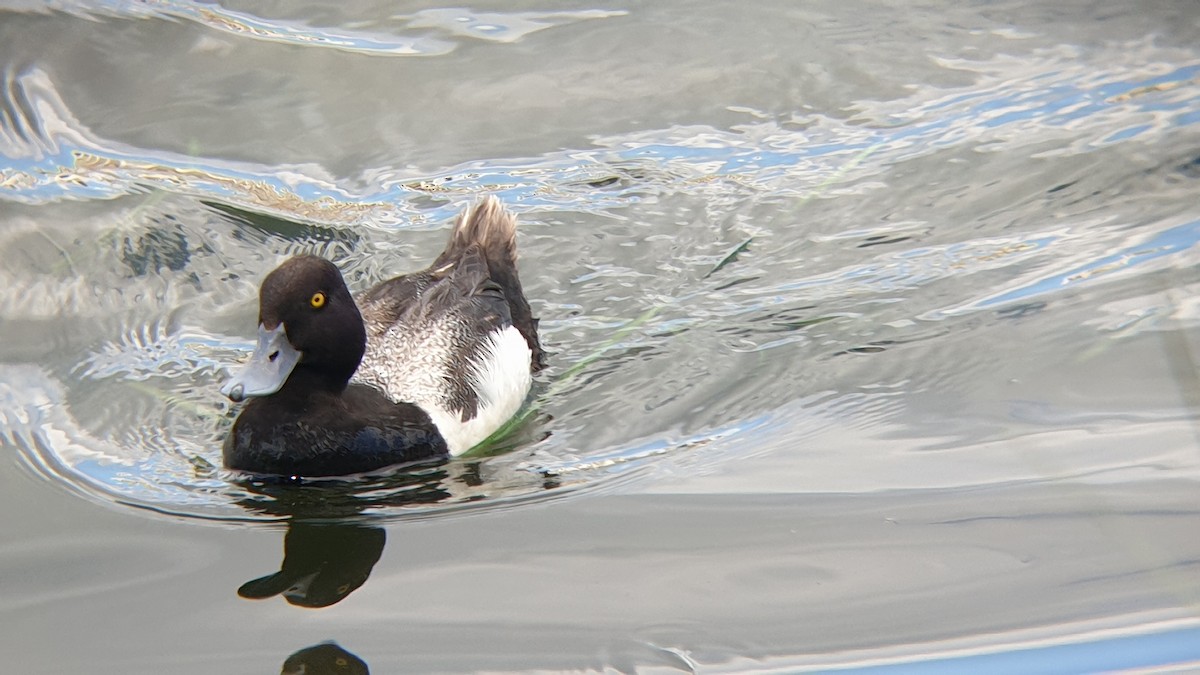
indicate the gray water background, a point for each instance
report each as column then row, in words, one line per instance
column 873, row 330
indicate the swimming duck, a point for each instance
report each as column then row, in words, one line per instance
column 420, row 366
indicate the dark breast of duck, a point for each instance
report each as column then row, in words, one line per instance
column 330, row 435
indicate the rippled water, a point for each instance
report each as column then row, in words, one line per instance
column 940, row 258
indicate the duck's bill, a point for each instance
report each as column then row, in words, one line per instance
column 268, row 368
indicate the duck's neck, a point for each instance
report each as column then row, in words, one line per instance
column 328, row 367
column 306, row 382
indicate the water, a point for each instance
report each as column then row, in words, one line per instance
column 873, row 334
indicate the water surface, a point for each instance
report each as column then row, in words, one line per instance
column 873, row 333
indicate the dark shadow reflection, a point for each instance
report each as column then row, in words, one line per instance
column 322, row 563
column 326, row 658
column 331, row 544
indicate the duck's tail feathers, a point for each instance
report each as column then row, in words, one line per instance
column 489, row 231
column 487, row 225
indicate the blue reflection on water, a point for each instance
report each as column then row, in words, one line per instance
column 1179, row 647
column 215, row 17
column 55, row 158
column 1174, row 240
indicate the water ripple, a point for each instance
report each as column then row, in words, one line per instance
column 1175, row 240
column 243, row 24
column 53, row 157
column 156, row 350
column 456, row 22
column 500, row 26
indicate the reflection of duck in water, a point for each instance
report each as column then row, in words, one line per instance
column 443, row 358
column 328, row 551
column 322, row 564
column 324, row 659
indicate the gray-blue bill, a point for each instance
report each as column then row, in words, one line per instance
column 268, row 368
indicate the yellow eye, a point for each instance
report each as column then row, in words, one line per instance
column 317, row 300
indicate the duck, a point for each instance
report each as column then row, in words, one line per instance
column 421, row 366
